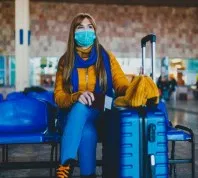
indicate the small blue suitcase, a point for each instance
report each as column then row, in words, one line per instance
column 135, row 144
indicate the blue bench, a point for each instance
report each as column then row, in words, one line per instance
column 15, row 95
column 32, row 120
column 26, row 120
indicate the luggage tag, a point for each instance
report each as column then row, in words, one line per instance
column 108, row 102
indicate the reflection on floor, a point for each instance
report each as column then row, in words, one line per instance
column 178, row 115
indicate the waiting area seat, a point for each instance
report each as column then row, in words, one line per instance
column 15, row 95
column 182, row 134
column 47, row 96
column 31, row 118
column 27, row 120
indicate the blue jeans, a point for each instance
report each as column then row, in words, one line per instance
column 79, row 135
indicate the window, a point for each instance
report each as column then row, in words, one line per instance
column 2, row 71
column 12, row 73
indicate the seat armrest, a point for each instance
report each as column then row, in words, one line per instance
column 181, row 127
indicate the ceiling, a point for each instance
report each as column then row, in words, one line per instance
column 182, row 3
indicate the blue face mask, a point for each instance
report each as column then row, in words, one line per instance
column 85, row 38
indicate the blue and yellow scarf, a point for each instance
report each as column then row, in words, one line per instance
column 80, row 63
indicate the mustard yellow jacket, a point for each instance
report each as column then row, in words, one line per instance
column 87, row 81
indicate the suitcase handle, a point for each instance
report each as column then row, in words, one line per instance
column 151, row 132
column 152, row 39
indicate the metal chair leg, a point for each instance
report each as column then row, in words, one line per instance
column 56, row 157
column 56, row 152
column 172, row 166
column 3, row 153
column 6, row 153
column 173, row 157
column 51, row 158
column 102, row 159
column 193, row 156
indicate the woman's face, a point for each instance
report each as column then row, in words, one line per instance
column 84, row 35
column 85, row 25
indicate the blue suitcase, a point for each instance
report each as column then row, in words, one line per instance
column 135, row 144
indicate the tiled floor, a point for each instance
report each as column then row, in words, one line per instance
column 185, row 113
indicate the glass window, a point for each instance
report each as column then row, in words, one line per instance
column 2, row 70
column 12, row 73
column 43, row 70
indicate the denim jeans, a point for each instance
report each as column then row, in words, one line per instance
column 80, row 136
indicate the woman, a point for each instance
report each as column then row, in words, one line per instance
column 84, row 71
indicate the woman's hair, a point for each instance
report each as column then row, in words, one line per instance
column 69, row 55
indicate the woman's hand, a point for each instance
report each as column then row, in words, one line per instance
column 86, row 98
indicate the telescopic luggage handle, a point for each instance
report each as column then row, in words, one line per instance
column 152, row 39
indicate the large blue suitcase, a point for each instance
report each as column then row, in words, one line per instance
column 135, row 144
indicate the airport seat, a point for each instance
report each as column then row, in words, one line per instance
column 1, row 97
column 182, row 134
column 47, row 96
column 27, row 120
column 15, row 95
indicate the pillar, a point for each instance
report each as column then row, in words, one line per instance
column 22, row 41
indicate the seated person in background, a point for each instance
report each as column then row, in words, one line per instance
column 163, row 86
column 172, row 84
column 180, row 80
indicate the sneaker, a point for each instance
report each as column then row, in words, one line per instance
column 66, row 170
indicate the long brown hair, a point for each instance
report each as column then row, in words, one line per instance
column 69, row 55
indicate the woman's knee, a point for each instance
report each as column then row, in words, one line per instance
column 89, row 133
column 80, row 107
column 80, row 111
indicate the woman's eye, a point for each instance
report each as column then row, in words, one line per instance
column 91, row 26
column 79, row 27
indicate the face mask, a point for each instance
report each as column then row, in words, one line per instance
column 85, row 38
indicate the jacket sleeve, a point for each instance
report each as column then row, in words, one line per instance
column 120, row 82
column 62, row 98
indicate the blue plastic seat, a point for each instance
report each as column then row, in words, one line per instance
column 182, row 134
column 26, row 120
column 45, row 96
column 26, row 115
column 15, row 95
column 21, row 138
column 48, row 98
column 174, row 134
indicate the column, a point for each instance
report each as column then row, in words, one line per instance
column 22, row 41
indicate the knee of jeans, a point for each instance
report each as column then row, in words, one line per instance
column 79, row 107
column 89, row 133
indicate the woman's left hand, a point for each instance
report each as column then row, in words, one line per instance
column 86, row 98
